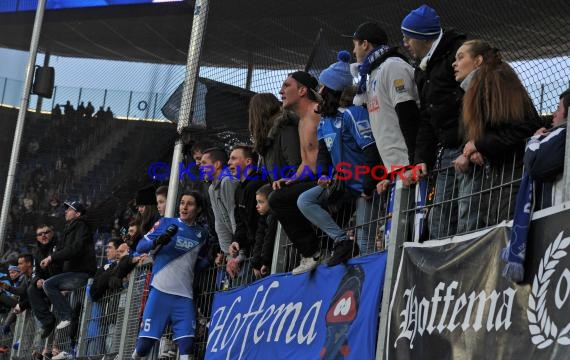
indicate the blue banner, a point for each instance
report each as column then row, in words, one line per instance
column 330, row 313
column 28, row 5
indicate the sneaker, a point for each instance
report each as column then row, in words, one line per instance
column 48, row 329
column 63, row 324
column 307, row 264
column 64, row 355
column 342, row 251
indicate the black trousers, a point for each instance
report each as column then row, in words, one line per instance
column 300, row 231
column 40, row 305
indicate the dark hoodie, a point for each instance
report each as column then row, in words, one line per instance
column 76, row 252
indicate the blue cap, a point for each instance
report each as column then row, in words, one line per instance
column 13, row 268
column 422, row 23
column 337, row 77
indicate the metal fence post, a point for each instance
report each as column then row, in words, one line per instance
column 566, row 173
column 104, row 98
column 79, row 98
column 129, row 107
column 53, row 98
column 126, row 318
column 4, row 90
column 394, row 247
column 87, row 304
column 19, row 330
column 279, row 262
column 541, row 98
column 154, row 107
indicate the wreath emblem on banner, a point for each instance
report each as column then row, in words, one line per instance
column 543, row 330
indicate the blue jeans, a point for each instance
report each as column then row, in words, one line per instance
column 366, row 222
column 312, row 204
column 63, row 282
column 453, row 211
column 471, row 213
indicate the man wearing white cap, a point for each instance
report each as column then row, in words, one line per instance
column 76, row 254
column 387, row 88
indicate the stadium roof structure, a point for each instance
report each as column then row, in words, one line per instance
column 277, row 33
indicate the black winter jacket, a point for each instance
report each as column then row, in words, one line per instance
column 42, row 252
column 282, row 147
column 264, row 241
column 76, row 251
column 505, row 143
column 440, row 100
column 111, row 278
column 245, row 214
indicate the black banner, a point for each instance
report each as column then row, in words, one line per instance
column 452, row 302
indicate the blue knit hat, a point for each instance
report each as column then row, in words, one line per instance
column 337, row 77
column 13, row 268
column 422, row 23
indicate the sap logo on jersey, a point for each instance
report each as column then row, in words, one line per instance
column 183, row 243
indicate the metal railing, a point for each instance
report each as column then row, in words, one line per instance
column 135, row 105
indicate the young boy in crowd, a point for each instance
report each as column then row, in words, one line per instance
column 265, row 234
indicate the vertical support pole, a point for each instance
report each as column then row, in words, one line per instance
column 279, row 251
column 79, row 97
column 541, row 98
column 104, row 98
column 566, row 173
column 129, row 106
column 54, row 97
column 84, row 319
column 154, row 107
column 125, row 325
column 18, row 133
column 400, row 216
column 192, row 67
column 19, row 330
column 249, row 77
column 4, row 90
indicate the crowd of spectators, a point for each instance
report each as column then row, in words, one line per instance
column 83, row 112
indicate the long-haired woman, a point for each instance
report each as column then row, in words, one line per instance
column 498, row 116
column 275, row 135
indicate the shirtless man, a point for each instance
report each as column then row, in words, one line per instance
column 299, row 94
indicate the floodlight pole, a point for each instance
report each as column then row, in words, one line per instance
column 192, row 67
column 566, row 173
column 21, row 118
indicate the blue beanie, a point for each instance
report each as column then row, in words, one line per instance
column 421, row 23
column 13, row 268
column 337, row 77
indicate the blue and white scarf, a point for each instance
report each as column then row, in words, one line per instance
column 366, row 68
column 514, row 253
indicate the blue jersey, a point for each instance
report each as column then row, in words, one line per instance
column 354, row 126
column 173, row 268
